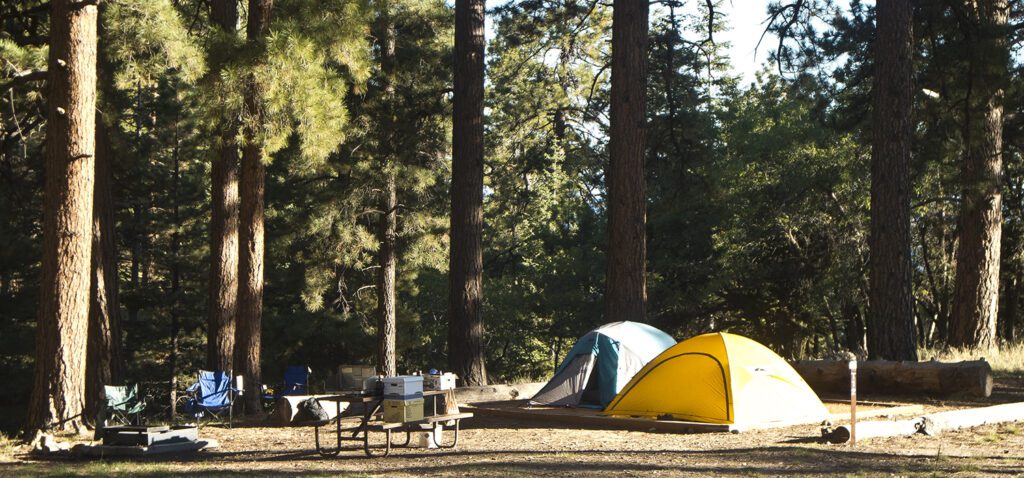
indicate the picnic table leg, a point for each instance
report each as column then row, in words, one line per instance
column 316, row 435
column 323, row 451
column 455, row 440
column 387, row 444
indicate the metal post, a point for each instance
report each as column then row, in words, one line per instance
column 853, row 403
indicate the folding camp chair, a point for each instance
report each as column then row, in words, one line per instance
column 296, row 382
column 122, row 405
column 211, row 396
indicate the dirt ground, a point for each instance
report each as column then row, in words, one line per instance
column 502, row 447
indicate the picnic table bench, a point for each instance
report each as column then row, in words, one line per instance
column 360, row 428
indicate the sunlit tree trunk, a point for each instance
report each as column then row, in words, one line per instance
column 891, row 332
column 223, row 227
column 251, row 190
column 62, row 326
column 625, row 282
column 976, row 290
column 388, row 227
column 465, row 323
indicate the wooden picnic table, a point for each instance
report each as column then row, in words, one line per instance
column 359, row 428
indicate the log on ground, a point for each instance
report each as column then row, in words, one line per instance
column 936, row 423
column 286, row 408
column 933, row 379
column 874, row 429
column 493, row 393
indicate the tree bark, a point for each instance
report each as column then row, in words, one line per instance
column 386, row 360
column 175, row 298
column 465, row 323
column 976, row 290
column 62, row 330
column 387, row 256
column 626, row 286
column 223, row 299
column 251, row 188
column 891, row 332
column 104, row 363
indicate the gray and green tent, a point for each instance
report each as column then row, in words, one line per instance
column 601, row 363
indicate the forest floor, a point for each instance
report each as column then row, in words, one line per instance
column 503, row 447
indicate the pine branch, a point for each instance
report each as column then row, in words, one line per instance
column 22, row 77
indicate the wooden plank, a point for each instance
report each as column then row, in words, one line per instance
column 600, row 421
column 450, row 416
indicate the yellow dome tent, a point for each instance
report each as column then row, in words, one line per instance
column 720, row 378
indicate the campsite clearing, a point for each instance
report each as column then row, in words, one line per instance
column 504, row 447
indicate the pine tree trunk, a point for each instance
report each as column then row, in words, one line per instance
column 387, row 256
column 465, row 323
column 625, row 283
column 223, row 228
column 976, row 290
column 175, row 298
column 250, row 291
column 104, row 364
column 251, row 190
column 62, row 327
column 386, row 360
column 891, row 332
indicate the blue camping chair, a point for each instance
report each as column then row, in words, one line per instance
column 296, row 382
column 212, row 396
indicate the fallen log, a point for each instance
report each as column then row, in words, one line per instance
column 937, row 423
column 938, row 379
column 494, row 393
column 842, row 434
column 931, row 424
column 287, row 407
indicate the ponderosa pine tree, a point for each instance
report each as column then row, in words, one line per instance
column 388, row 227
column 976, row 290
column 465, row 271
column 223, row 298
column 104, row 363
column 891, row 332
column 63, row 320
column 625, row 282
column 252, row 179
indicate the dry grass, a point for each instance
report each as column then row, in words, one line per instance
column 1003, row 359
column 8, row 448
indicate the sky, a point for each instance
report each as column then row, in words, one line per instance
column 746, row 21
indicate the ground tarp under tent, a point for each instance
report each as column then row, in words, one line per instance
column 720, row 378
column 601, row 363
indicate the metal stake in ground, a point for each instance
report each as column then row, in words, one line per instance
column 853, row 403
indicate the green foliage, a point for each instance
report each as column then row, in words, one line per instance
column 147, row 40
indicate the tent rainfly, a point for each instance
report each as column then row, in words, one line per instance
column 720, row 378
column 600, row 363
